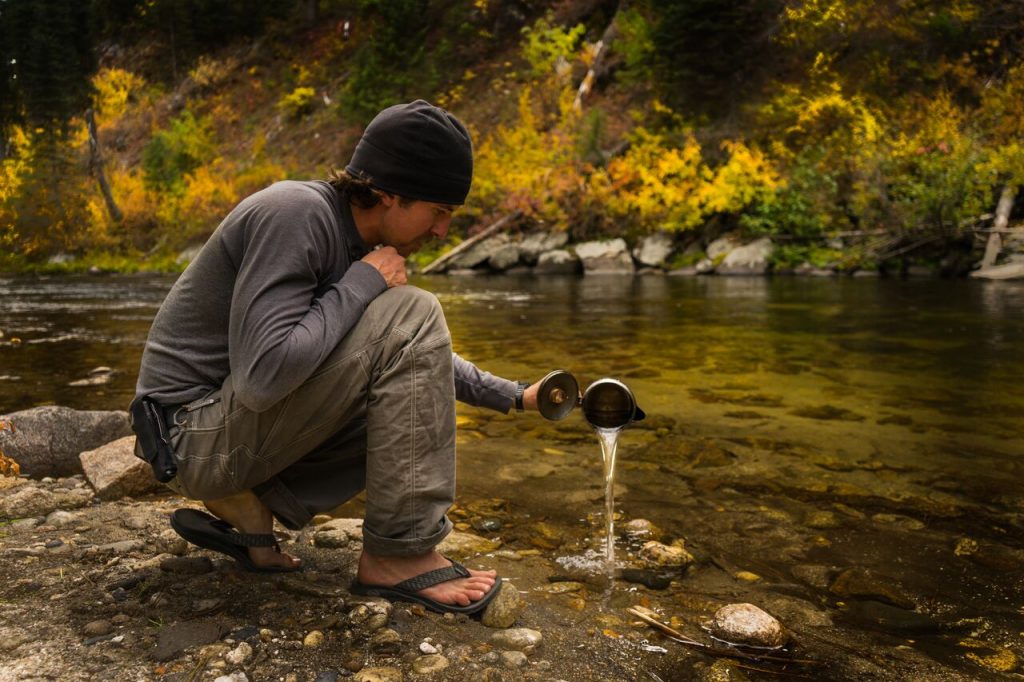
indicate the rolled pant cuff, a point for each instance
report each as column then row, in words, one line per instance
column 381, row 546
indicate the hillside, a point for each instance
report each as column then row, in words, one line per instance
column 858, row 135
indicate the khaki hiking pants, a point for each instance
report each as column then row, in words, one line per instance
column 379, row 413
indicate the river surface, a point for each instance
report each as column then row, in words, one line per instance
column 847, row 454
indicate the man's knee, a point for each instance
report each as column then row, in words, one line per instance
column 409, row 305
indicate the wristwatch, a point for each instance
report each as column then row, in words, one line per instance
column 521, row 386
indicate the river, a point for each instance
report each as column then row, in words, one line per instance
column 852, row 444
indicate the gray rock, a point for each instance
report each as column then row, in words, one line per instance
column 47, row 440
column 558, row 262
column 338, row 533
column 504, row 609
column 536, row 244
column 459, row 544
column 514, row 659
column 653, row 250
column 114, row 471
column 60, row 518
column 749, row 259
column 722, row 246
column 480, row 253
column 371, row 615
column 240, row 654
column 28, row 501
column 517, row 639
column 237, row 676
column 747, row 624
column 610, row 257
column 504, row 258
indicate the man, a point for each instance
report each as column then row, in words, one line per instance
column 292, row 366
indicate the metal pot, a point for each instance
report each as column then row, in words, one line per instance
column 607, row 403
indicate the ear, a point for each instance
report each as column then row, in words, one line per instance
column 388, row 200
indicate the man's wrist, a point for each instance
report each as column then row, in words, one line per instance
column 521, row 387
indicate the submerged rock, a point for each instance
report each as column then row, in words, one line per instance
column 862, row 584
column 518, row 639
column 747, row 624
column 656, row 555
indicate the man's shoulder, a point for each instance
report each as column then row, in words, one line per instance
column 300, row 192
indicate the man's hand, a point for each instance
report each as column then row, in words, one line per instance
column 530, row 397
column 389, row 264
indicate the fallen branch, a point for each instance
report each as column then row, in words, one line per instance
column 437, row 263
column 647, row 616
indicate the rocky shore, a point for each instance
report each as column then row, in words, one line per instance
column 95, row 585
column 687, row 255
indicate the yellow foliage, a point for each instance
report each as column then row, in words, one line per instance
column 746, row 177
column 114, row 90
column 532, row 165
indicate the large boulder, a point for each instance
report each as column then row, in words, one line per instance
column 480, row 253
column 610, row 257
column 654, row 250
column 749, row 259
column 114, row 471
column 558, row 262
column 46, row 441
column 533, row 245
column 722, row 246
column 504, row 258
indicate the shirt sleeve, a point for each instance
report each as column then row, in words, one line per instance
column 279, row 330
column 482, row 389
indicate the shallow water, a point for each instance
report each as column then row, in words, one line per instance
column 798, row 429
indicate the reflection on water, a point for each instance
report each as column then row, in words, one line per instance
column 797, row 429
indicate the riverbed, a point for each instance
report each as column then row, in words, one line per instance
column 844, row 453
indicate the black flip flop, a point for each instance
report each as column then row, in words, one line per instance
column 407, row 590
column 209, row 532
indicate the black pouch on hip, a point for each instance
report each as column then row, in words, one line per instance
column 148, row 423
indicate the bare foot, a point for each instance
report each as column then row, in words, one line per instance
column 246, row 513
column 390, row 570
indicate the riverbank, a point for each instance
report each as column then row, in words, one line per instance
column 96, row 585
column 675, row 254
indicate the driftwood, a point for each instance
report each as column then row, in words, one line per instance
column 596, row 69
column 995, row 236
column 475, row 239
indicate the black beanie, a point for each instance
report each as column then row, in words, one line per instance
column 417, row 151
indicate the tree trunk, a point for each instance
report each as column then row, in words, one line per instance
column 600, row 50
column 995, row 237
column 96, row 166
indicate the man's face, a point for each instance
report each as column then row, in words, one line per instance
column 408, row 227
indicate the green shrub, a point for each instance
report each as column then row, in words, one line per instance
column 175, row 152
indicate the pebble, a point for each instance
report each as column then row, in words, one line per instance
column 433, row 663
column 504, row 609
column 514, row 659
column 98, row 628
column 427, row 648
column 378, row 675
column 641, row 528
column 561, row 587
column 656, row 555
column 517, row 639
column 52, row 544
column 240, row 654
column 60, row 518
column 385, row 641
column 313, row 640
column 747, row 624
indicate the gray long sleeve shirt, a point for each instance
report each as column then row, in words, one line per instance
column 270, row 295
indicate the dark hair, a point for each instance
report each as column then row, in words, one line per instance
column 360, row 192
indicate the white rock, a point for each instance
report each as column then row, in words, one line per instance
column 428, row 648
column 747, row 624
column 517, row 639
column 749, row 259
column 653, row 250
column 605, row 257
column 558, row 262
column 240, row 654
column 533, row 245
